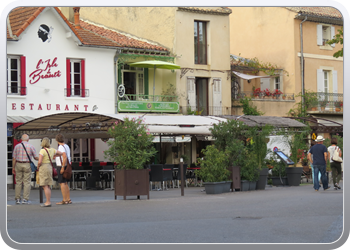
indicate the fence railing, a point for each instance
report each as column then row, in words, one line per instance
column 327, row 102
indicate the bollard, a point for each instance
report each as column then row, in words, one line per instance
column 182, row 176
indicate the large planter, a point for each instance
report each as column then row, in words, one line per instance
column 252, row 185
column 227, row 186
column 131, row 182
column 214, row 187
column 294, row 175
column 244, row 185
column 277, row 181
column 261, row 184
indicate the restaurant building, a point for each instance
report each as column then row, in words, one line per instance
column 57, row 66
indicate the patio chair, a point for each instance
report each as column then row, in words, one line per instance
column 156, row 175
column 177, row 174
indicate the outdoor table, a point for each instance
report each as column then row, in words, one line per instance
column 112, row 175
column 78, row 171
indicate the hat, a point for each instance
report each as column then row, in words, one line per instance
column 319, row 138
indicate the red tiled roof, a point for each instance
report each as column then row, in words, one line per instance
column 318, row 11
column 89, row 34
column 208, row 10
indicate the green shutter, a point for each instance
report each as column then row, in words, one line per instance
column 119, row 73
column 146, row 81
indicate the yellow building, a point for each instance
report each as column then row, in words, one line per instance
column 293, row 39
column 203, row 84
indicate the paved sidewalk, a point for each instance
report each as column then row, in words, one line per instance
column 273, row 215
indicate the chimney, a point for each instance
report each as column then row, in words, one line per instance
column 76, row 17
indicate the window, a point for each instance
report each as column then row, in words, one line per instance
column 326, row 81
column 324, row 34
column 133, row 80
column 76, row 78
column 277, row 83
column 200, row 42
column 16, row 84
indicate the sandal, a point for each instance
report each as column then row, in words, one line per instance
column 69, row 201
column 62, row 203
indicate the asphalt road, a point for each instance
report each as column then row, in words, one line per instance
column 275, row 215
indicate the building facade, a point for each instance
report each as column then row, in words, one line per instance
column 294, row 39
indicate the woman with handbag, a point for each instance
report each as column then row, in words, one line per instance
column 45, row 168
column 63, row 162
column 335, row 165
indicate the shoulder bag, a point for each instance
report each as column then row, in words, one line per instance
column 32, row 165
column 335, row 156
column 67, row 174
column 54, row 171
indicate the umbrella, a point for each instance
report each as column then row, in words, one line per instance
column 154, row 65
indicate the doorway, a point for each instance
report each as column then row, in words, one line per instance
column 202, row 96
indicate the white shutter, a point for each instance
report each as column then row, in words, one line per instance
column 191, row 92
column 335, row 84
column 320, row 80
column 140, row 84
column 217, row 110
column 332, row 35
column 265, row 83
column 319, row 35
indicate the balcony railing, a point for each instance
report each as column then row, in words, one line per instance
column 327, row 102
column 203, row 111
column 155, row 98
column 76, row 92
column 262, row 95
column 16, row 90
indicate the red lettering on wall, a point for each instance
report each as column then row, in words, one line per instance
column 13, row 106
column 86, row 106
column 22, row 106
column 57, row 107
column 40, row 108
column 31, row 106
column 76, row 107
column 66, row 109
column 48, row 106
column 43, row 71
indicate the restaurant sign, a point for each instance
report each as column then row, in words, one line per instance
column 146, row 106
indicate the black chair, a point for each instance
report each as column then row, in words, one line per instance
column 95, row 177
column 86, row 166
column 156, row 174
column 96, row 163
column 168, row 173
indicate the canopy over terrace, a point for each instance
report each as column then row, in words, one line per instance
column 95, row 125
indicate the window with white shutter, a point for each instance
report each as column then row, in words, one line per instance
column 217, row 99
column 191, row 93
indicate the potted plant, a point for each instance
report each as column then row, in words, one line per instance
column 213, row 171
column 338, row 105
column 267, row 93
column 249, row 175
column 257, row 145
column 277, row 93
column 257, row 93
column 278, row 172
column 323, row 104
column 131, row 147
column 229, row 139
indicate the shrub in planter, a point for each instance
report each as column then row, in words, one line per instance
column 213, row 167
column 249, row 171
column 131, row 147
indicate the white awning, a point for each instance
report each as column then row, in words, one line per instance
column 250, row 77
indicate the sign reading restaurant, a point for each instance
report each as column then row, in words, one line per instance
column 57, row 107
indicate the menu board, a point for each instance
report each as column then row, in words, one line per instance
column 284, row 158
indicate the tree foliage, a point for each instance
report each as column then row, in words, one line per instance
column 248, row 108
column 338, row 38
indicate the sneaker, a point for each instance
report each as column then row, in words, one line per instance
column 335, row 188
column 326, row 188
column 18, row 201
column 25, row 201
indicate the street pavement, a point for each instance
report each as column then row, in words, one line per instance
column 274, row 215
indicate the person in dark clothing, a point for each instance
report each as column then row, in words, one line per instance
column 319, row 158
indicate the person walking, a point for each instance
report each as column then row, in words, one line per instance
column 64, row 148
column 335, row 166
column 319, row 155
column 21, row 168
column 46, row 155
column 312, row 165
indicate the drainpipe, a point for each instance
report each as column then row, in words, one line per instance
column 302, row 63
column 117, row 53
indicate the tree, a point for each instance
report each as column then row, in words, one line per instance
column 338, row 38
